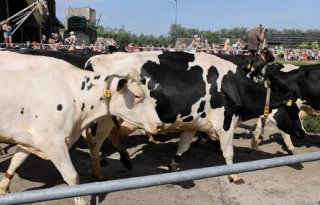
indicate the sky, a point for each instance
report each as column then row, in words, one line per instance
column 155, row 16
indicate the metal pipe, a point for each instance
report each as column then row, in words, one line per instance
column 23, row 20
column 152, row 180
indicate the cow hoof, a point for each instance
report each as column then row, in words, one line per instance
column 292, row 152
column 79, row 201
column 4, row 191
column 103, row 163
column 236, row 179
column 99, row 177
column 125, row 160
column 2, row 152
column 254, row 145
column 173, row 166
column 151, row 141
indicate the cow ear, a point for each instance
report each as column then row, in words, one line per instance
column 88, row 65
column 265, row 50
column 121, row 84
column 134, row 74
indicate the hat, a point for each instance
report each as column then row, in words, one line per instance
column 71, row 33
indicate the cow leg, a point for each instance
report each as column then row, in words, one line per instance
column 115, row 138
column 285, row 136
column 95, row 140
column 2, row 151
column 18, row 158
column 257, row 133
column 58, row 153
column 288, row 142
column 226, row 139
column 183, row 146
column 124, row 155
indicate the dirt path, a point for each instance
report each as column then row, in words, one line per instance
column 289, row 185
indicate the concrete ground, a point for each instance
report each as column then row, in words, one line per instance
column 289, row 185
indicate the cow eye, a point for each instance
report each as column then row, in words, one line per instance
column 137, row 96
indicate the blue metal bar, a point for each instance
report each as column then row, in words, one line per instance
column 152, row 180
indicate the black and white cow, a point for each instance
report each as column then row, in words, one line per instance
column 77, row 57
column 260, row 63
column 300, row 82
column 200, row 92
column 46, row 103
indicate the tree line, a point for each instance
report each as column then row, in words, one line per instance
column 124, row 37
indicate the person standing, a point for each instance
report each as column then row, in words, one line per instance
column 6, row 28
column 44, row 41
column 71, row 40
column 255, row 37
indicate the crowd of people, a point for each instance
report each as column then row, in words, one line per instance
column 198, row 44
column 227, row 48
column 55, row 42
column 296, row 53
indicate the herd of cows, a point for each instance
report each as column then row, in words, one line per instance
column 50, row 98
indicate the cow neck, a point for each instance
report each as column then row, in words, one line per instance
column 107, row 95
column 263, row 58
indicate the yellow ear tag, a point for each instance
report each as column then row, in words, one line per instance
column 107, row 93
column 289, row 103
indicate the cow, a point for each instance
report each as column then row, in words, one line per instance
column 77, row 58
column 301, row 82
column 46, row 103
column 200, row 92
column 265, row 56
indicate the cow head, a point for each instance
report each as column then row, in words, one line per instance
column 287, row 118
column 260, row 62
column 127, row 100
column 268, row 55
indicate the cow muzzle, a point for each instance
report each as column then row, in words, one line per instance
column 154, row 128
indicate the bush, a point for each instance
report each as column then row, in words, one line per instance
column 312, row 123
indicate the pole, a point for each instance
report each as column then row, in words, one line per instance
column 176, row 18
column 152, row 180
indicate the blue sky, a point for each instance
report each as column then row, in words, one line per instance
column 156, row 16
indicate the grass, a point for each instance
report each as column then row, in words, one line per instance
column 312, row 123
column 297, row 62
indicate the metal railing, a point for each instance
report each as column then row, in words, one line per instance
column 151, row 180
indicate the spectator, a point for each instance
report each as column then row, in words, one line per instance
column 6, row 28
column 44, row 42
column 237, row 47
column 227, row 48
column 196, row 42
column 54, row 41
column 83, row 44
column 36, row 45
column 71, row 40
column 255, row 36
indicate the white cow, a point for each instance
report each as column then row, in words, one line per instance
column 46, row 103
